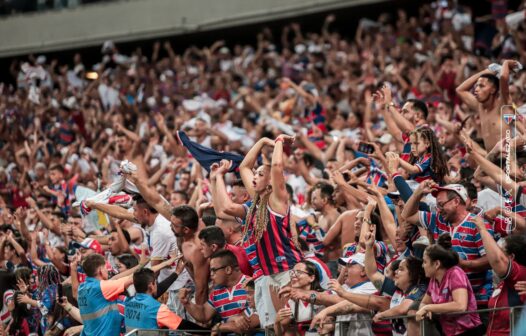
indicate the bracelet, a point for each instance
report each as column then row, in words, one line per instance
column 278, row 140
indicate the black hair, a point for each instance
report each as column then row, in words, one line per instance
column 238, row 183
column 23, row 273
column 209, row 217
column 438, row 160
column 326, row 190
column 420, row 106
column 250, row 284
column 140, row 201
column 7, row 282
column 128, row 260
column 125, row 233
column 91, row 264
column 228, row 258
column 182, row 193
column 471, row 190
column 313, row 270
column 187, row 215
column 442, row 252
column 213, row 235
column 290, row 191
column 19, row 313
column 395, row 264
column 514, row 244
column 416, row 271
column 142, row 279
column 57, row 167
column 494, row 80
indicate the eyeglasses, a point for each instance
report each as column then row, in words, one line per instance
column 214, row 270
column 441, row 206
column 297, row 273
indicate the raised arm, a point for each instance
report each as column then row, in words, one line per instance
column 412, row 205
column 498, row 261
column 222, row 202
column 151, row 196
column 463, row 90
column 279, row 196
column 371, row 270
column 112, row 210
column 246, row 166
column 43, row 218
column 504, row 80
column 492, row 170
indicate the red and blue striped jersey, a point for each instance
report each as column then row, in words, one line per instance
column 229, row 302
column 311, row 236
column 275, row 251
column 406, row 150
column 424, row 165
column 381, row 253
column 376, row 176
column 466, row 241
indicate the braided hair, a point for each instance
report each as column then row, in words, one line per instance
column 259, row 210
column 48, row 275
column 438, row 161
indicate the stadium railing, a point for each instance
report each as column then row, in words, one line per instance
column 345, row 327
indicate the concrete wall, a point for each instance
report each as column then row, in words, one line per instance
column 131, row 20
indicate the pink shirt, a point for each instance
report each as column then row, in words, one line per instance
column 454, row 278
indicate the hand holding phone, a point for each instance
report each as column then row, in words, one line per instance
column 365, row 148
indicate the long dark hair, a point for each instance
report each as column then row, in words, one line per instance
column 438, row 160
column 7, row 282
column 313, row 270
column 19, row 314
column 442, row 252
column 416, row 271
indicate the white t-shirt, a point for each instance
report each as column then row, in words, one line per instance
column 161, row 241
column 362, row 326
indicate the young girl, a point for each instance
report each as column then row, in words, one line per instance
column 427, row 160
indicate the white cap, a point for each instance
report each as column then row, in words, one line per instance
column 357, row 258
column 458, row 188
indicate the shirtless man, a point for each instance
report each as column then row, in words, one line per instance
column 322, row 201
column 488, row 102
column 184, row 221
column 129, row 148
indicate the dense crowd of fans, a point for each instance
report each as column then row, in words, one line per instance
column 312, row 185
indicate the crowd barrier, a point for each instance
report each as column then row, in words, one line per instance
column 345, row 327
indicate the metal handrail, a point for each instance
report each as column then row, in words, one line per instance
column 422, row 330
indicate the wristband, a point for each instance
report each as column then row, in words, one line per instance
column 312, row 298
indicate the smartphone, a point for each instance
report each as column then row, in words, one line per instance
column 59, row 291
column 478, row 211
column 365, row 148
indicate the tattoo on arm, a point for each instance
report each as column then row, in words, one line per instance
column 378, row 283
column 167, row 208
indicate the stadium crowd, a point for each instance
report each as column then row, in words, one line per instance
column 310, row 184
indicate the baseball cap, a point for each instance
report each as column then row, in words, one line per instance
column 357, row 258
column 458, row 188
column 89, row 243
